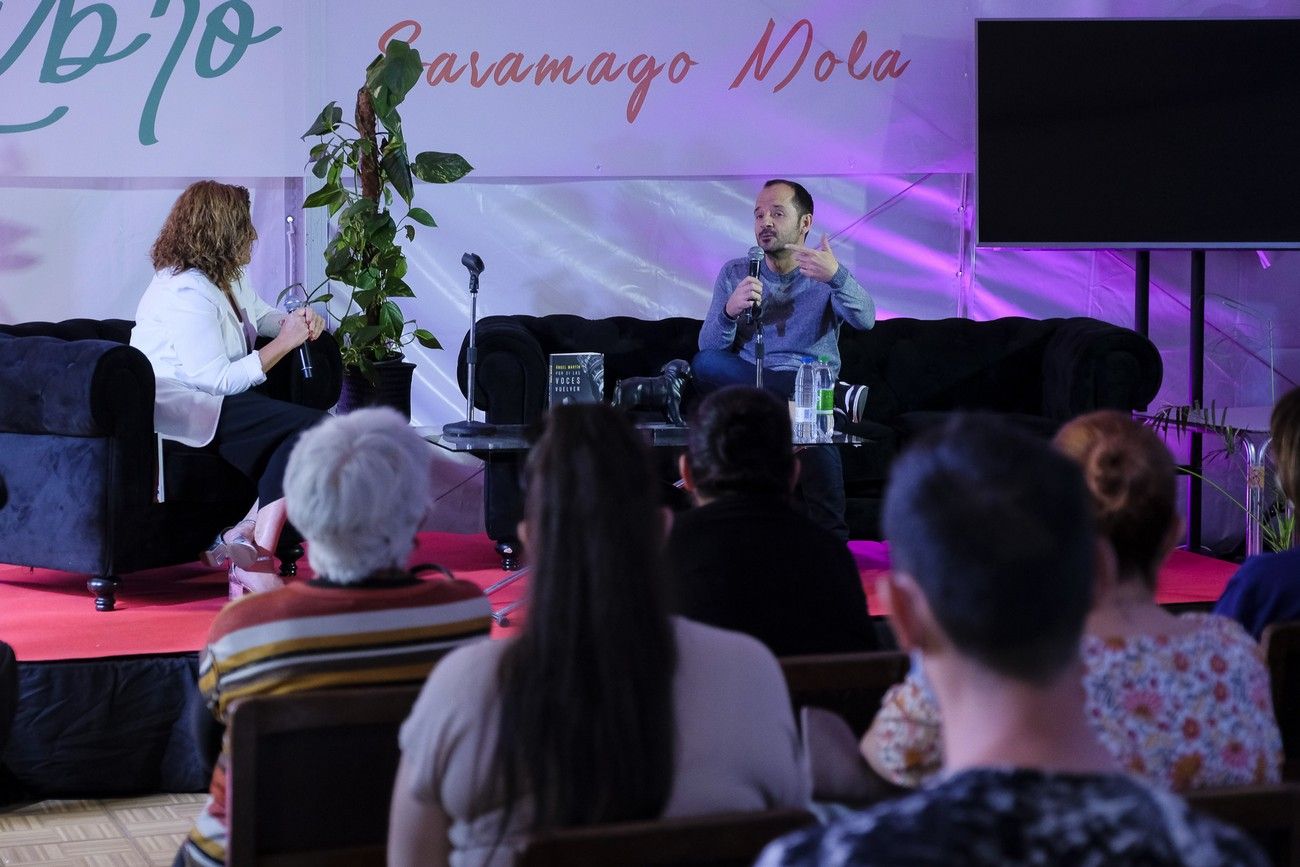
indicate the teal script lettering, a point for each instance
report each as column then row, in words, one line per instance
column 59, row 68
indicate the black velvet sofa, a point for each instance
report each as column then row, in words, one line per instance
column 1037, row 372
column 79, row 458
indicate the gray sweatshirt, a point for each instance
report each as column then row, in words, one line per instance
column 800, row 315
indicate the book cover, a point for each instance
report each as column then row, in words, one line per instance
column 577, row 377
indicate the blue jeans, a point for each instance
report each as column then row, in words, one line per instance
column 820, row 492
column 714, row 368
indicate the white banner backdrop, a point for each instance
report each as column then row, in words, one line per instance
column 676, row 87
column 562, row 88
column 172, row 88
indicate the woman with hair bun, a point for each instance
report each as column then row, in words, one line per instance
column 1182, row 701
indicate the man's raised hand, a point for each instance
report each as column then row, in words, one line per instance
column 817, row 263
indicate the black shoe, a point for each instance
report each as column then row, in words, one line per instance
column 850, row 402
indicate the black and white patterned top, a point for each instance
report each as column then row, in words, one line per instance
column 1023, row 817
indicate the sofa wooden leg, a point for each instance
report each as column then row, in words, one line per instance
column 509, row 552
column 289, row 561
column 105, row 589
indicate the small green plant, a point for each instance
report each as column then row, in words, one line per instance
column 365, row 173
column 1276, row 523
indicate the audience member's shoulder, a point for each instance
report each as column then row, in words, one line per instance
column 1201, row 839
column 1281, row 567
column 449, row 590
column 475, row 656
column 1058, row 818
column 1222, row 631
column 721, row 649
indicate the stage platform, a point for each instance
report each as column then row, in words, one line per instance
column 103, row 694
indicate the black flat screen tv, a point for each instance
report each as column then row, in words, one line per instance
column 1138, row 134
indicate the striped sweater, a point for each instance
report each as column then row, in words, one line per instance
column 318, row 635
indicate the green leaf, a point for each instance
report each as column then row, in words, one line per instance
column 340, row 199
column 367, row 335
column 391, row 320
column 397, row 288
column 321, row 197
column 321, row 167
column 326, row 121
column 438, row 168
column 392, row 75
column 410, row 233
column 351, row 324
column 394, row 165
column 427, row 340
column 366, row 280
column 337, row 262
column 382, row 233
column 323, row 299
column 318, row 151
column 421, row 216
column 358, row 214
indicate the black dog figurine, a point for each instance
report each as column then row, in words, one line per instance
column 662, row 392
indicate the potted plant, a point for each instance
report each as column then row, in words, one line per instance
column 365, row 174
column 1265, row 505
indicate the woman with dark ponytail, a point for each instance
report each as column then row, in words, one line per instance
column 604, row 709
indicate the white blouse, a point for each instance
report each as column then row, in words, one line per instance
column 199, row 349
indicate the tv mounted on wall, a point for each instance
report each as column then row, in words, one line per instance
column 1138, row 134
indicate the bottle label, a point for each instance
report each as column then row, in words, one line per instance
column 805, row 415
column 826, row 400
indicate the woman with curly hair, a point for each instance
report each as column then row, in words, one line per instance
column 197, row 323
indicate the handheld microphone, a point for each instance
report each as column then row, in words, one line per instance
column 304, row 358
column 755, row 259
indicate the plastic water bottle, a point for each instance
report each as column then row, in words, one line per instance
column 805, row 402
column 825, row 401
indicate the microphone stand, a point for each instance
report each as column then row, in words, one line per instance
column 469, row 427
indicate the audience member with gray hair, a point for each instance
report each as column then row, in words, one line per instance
column 357, row 489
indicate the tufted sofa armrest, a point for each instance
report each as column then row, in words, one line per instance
column 510, row 382
column 1089, row 364
column 82, row 388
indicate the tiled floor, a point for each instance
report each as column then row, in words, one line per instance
column 121, row 832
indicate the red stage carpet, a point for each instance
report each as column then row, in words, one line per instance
column 1184, row 578
column 48, row 615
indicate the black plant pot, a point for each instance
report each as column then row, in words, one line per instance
column 392, row 387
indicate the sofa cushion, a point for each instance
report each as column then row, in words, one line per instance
column 910, row 364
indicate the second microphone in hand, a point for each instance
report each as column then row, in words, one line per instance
column 304, row 357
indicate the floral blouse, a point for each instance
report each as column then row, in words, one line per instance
column 1186, row 712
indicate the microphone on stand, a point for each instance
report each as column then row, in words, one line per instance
column 756, row 318
column 304, row 357
column 469, row 427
